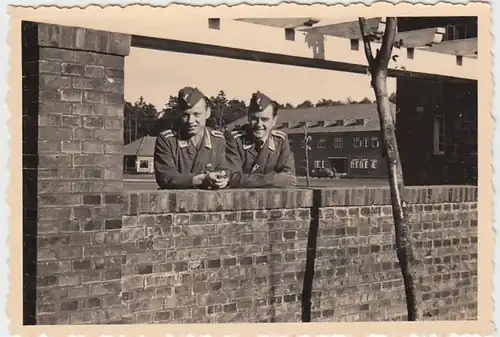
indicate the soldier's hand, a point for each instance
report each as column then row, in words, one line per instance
column 217, row 179
column 199, row 179
column 221, row 183
column 284, row 180
column 222, row 179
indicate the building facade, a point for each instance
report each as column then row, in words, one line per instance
column 437, row 131
column 351, row 154
column 437, row 118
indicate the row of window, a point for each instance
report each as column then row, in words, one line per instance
column 355, row 163
column 439, row 137
column 317, row 164
column 338, row 143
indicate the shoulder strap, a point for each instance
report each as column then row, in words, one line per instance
column 217, row 134
column 279, row 134
column 167, row 133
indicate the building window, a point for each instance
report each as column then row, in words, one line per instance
column 358, row 163
column 364, row 163
column 321, row 144
column 365, row 142
column 356, row 142
column 303, row 144
column 438, row 135
column 375, row 142
column 303, row 164
column 338, row 143
column 290, row 142
column 319, row 164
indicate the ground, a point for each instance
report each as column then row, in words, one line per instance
column 146, row 182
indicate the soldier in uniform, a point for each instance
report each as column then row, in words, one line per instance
column 191, row 155
column 258, row 155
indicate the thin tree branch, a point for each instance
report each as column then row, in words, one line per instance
column 366, row 43
column 404, row 249
column 385, row 52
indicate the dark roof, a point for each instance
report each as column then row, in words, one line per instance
column 142, row 147
column 327, row 119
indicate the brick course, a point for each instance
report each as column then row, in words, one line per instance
column 104, row 256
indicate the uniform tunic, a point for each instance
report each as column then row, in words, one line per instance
column 253, row 167
column 177, row 161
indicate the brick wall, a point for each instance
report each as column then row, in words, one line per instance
column 72, row 172
column 237, row 256
column 215, row 257
column 357, row 272
column 94, row 254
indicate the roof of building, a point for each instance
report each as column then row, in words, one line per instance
column 142, row 147
column 326, row 119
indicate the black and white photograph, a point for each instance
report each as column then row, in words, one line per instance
column 259, row 169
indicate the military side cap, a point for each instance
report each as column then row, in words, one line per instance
column 259, row 101
column 188, row 97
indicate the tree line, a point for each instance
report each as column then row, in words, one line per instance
column 142, row 118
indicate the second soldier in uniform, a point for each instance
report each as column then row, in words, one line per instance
column 190, row 155
column 258, row 155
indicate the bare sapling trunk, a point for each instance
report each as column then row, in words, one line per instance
column 378, row 70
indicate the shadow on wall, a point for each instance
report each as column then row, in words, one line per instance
column 312, row 240
column 316, row 42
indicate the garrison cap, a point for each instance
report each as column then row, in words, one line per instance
column 259, row 101
column 188, row 97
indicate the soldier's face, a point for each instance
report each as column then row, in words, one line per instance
column 262, row 122
column 195, row 118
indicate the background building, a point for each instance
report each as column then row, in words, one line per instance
column 138, row 155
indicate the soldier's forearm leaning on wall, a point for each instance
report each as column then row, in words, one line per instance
column 254, row 180
column 174, row 180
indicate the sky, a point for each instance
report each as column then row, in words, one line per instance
column 156, row 75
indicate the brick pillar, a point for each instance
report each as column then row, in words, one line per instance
column 73, row 98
